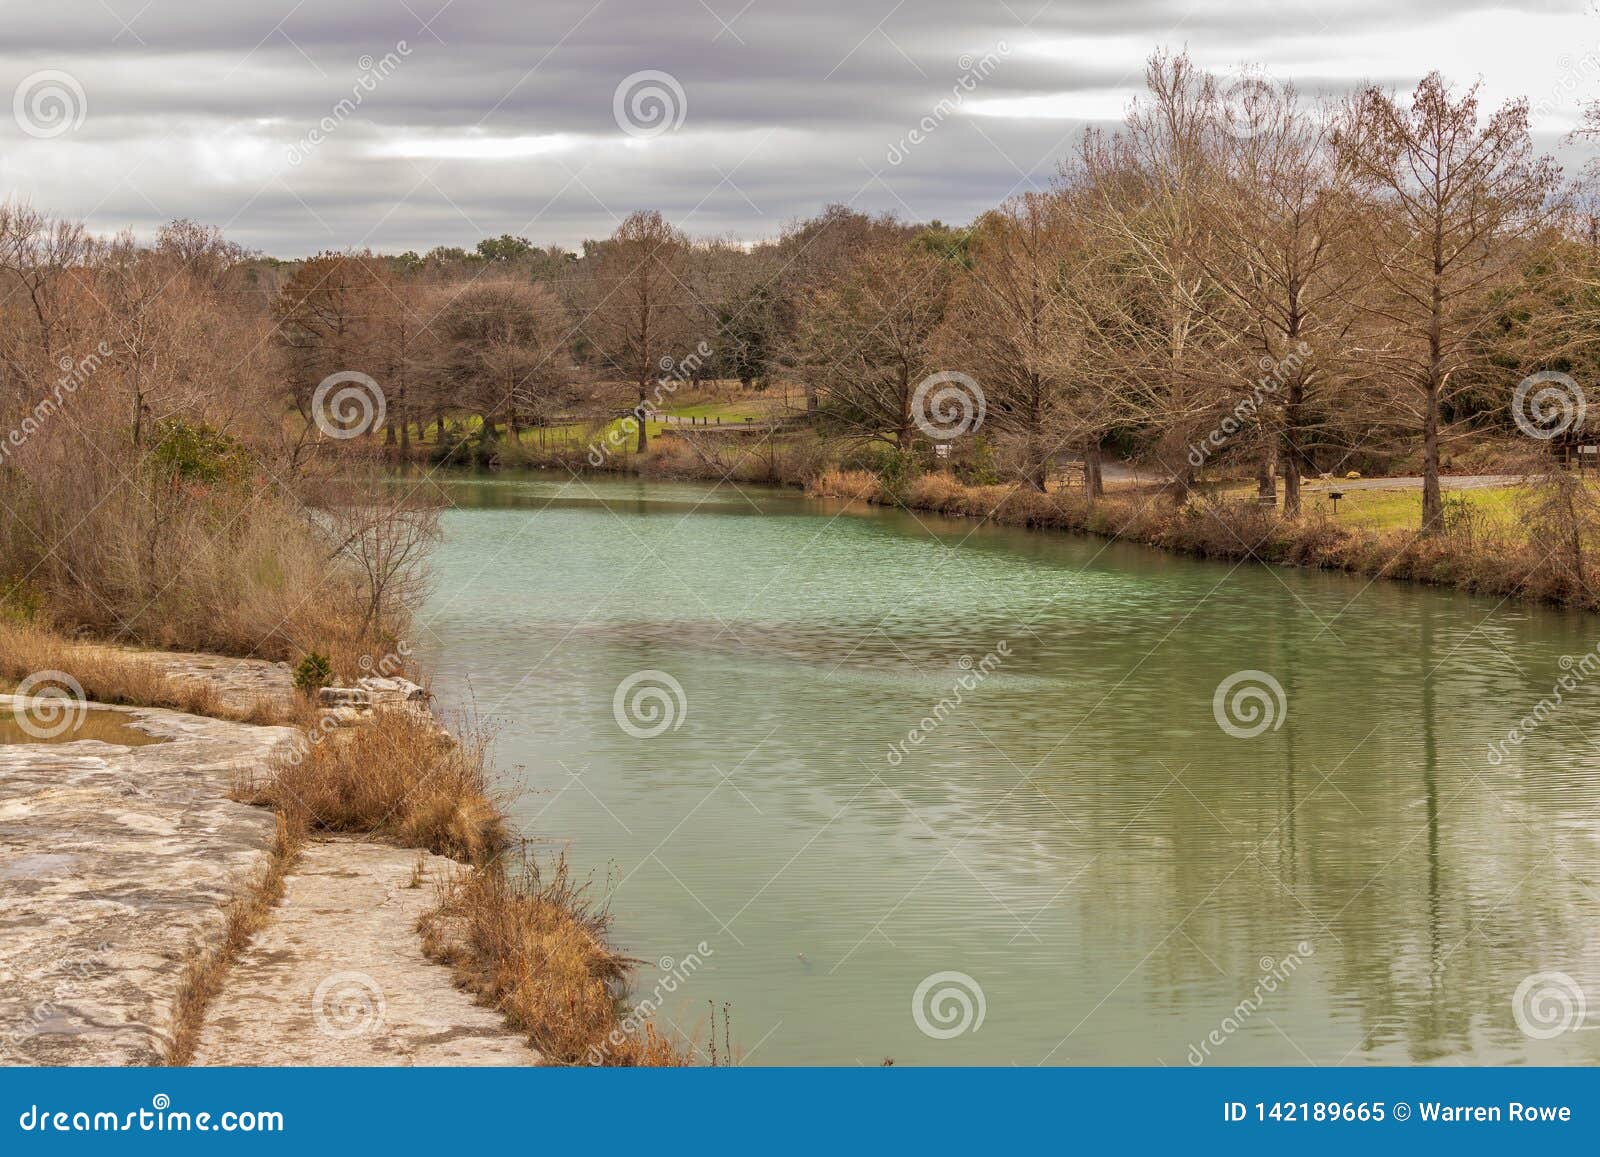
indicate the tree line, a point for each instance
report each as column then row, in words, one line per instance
column 1237, row 280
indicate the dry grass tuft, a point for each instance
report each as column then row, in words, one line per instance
column 853, row 484
column 246, row 913
column 396, row 775
column 533, row 946
column 112, row 675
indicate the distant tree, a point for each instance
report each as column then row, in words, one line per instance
column 504, row 248
column 1455, row 199
column 504, row 353
column 866, row 343
column 1002, row 324
column 638, row 302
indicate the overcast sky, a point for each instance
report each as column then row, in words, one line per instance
column 404, row 124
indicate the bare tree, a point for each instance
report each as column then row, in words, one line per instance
column 1282, row 217
column 866, row 343
column 638, row 303
column 1457, row 198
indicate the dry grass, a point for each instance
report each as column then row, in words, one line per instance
column 533, row 946
column 245, row 914
column 397, row 775
column 861, row 485
column 1479, row 554
column 115, row 676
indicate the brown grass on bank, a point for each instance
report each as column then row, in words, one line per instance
column 110, row 675
column 1474, row 558
column 244, row 915
column 532, row 945
column 399, row 776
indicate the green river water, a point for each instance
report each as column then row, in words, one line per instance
column 960, row 795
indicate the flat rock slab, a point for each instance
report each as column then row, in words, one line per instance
column 114, row 865
column 239, row 683
column 338, row 977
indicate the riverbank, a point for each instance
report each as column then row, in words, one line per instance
column 1485, row 548
column 1475, row 558
column 231, row 894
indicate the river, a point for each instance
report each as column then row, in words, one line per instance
column 911, row 788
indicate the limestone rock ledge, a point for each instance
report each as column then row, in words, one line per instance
column 114, row 865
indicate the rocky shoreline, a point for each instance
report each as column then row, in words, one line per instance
column 117, row 867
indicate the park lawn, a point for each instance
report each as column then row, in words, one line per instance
column 1402, row 509
column 1390, row 509
column 735, row 411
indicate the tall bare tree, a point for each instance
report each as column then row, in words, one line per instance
column 1457, row 197
column 638, row 307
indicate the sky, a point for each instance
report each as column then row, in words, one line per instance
column 405, row 124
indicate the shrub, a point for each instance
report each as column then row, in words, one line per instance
column 312, row 673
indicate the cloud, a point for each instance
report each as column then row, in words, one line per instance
column 284, row 123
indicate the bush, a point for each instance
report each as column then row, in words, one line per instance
column 312, row 673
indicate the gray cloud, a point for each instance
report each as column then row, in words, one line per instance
column 499, row 116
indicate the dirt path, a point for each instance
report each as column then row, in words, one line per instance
column 338, row 977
